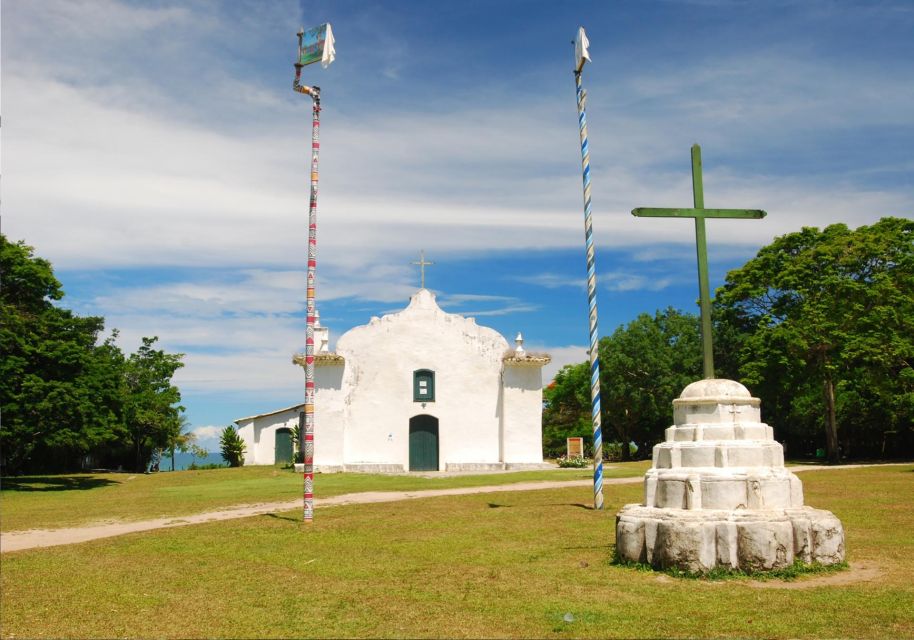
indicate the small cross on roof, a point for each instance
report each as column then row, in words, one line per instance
column 422, row 264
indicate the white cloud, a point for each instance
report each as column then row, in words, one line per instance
column 255, row 292
column 453, row 299
column 505, row 305
column 208, row 437
column 572, row 354
column 132, row 186
column 519, row 307
column 164, row 137
column 553, row 281
column 623, row 281
column 264, row 373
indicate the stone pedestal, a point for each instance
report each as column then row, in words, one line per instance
column 718, row 494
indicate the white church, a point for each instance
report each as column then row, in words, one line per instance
column 416, row 390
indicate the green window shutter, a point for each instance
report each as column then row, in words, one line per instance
column 423, row 385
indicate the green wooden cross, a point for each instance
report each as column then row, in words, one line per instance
column 700, row 213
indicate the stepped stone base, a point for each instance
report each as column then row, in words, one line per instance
column 701, row 540
column 718, row 494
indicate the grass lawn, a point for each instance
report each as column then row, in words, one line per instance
column 490, row 565
column 69, row 500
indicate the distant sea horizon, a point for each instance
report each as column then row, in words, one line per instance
column 184, row 460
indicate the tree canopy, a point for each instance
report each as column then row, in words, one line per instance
column 827, row 325
column 68, row 399
column 643, row 366
column 566, row 412
column 819, row 325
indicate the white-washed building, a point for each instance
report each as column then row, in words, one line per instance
column 420, row 389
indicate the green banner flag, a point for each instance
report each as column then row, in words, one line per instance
column 317, row 46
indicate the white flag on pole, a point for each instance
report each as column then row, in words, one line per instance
column 580, row 49
column 329, row 51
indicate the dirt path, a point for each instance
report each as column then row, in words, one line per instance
column 856, row 573
column 20, row 540
column 34, row 538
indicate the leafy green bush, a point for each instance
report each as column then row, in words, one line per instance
column 612, row 451
column 193, row 466
column 232, row 447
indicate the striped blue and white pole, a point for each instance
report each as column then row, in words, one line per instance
column 592, row 301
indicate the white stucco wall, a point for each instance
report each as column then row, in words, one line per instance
column 523, row 411
column 259, row 433
column 330, row 415
column 381, row 358
column 489, row 411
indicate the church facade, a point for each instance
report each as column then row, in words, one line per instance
column 416, row 390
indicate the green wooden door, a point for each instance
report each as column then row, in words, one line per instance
column 423, row 443
column 283, row 446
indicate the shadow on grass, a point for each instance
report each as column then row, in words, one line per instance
column 276, row 516
column 54, row 483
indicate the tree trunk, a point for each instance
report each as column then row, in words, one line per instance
column 137, row 465
column 626, row 450
column 831, row 426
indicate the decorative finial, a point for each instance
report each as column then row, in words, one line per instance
column 519, row 349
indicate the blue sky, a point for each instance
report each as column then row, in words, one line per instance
column 156, row 154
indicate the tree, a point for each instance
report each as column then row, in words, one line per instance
column 567, row 408
column 232, row 447
column 60, row 391
column 197, row 451
column 183, row 441
column 830, row 314
column 66, row 399
column 298, row 456
column 152, row 412
column 643, row 367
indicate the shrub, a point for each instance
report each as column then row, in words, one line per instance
column 612, row 451
column 232, row 447
column 575, row 462
column 204, row 467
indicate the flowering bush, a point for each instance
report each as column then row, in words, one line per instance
column 574, row 462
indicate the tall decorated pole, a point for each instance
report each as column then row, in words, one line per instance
column 581, row 55
column 313, row 45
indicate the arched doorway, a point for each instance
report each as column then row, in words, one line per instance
column 283, row 450
column 423, row 443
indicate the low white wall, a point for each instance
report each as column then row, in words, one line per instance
column 522, row 418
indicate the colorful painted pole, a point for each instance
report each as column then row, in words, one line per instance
column 581, row 55
column 308, row 431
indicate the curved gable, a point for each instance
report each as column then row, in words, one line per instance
column 423, row 327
